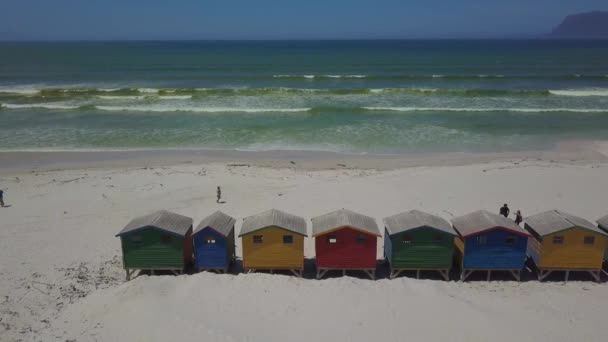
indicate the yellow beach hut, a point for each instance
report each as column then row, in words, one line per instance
column 564, row 242
column 273, row 240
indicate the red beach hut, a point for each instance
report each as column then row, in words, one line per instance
column 345, row 240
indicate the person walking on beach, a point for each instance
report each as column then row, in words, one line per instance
column 2, row 198
column 219, row 194
column 518, row 217
column 504, row 210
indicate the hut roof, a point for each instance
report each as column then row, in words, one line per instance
column 274, row 218
column 415, row 219
column 481, row 220
column 218, row 221
column 603, row 221
column 341, row 218
column 553, row 221
column 162, row 219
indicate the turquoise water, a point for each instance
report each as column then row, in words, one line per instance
column 346, row 96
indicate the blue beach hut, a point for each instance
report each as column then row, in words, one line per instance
column 489, row 242
column 214, row 242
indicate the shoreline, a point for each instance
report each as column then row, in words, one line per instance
column 16, row 162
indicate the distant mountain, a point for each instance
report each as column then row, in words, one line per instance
column 583, row 25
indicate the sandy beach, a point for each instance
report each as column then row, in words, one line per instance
column 60, row 266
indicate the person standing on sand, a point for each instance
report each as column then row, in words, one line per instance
column 2, row 198
column 504, row 210
column 219, row 194
column 518, row 217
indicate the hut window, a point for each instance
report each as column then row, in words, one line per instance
column 558, row 240
column 209, row 240
column 361, row 238
column 589, row 240
column 482, row 240
column 287, row 239
column 165, row 239
column 137, row 239
column 407, row 239
column 332, row 239
column 437, row 237
column 258, row 238
column 510, row 240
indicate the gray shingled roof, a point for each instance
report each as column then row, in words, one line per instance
column 274, row 218
column 481, row 220
column 219, row 221
column 603, row 221
column 162, row 219
column 415, row 219
column 341, row 218
column 554, row 221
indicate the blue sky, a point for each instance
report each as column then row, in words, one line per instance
column 283, row 19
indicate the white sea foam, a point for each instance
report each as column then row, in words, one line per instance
column 38, row 105
column 580, row 92
column 199, row 109
column 19, row 91
column 438, row 76
column 124, row 97
column 451, row 109
column 175, row 97
column 148, row 90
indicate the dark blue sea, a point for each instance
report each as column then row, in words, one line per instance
column 345, row 96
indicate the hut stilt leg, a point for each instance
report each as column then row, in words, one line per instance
column 462, row 275
column 417, row 274
column 596, row 275
column 128, row 274
column 344, row 273
column 567, row 275
column 152, row 272
column 489, row 275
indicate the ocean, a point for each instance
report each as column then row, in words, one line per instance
column 384, row 97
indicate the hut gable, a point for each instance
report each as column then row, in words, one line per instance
column 480, row 221
column 416, row 219
column 344, row 218
column 163, row 220
column 274, row 218
column 603, row 222
column 554, row 221
column 217, row 221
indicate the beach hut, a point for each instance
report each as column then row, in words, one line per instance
column 415, row 241
column 603, row 224
column 345, row 240
column 158, row 241
column 564, row 242
column 213, row 242
column 489, row 242
column 273, row 240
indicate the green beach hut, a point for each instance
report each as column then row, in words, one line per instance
column 158, row 241
column 415, row 241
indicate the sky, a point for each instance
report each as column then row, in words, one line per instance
column 283, row 19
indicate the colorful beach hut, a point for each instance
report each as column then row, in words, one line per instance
column 213, row 242
column 345, row 240
column 564, row 242
column 158, row 241
column 273, row 240
column 415, row 241
column 489, row 242
column 603, row 224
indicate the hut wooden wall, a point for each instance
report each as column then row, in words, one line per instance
column 424, row 250
column 153, row 248
column 572, row 253
column 347, row 252
column 273, row 253
column 495, row 253
column 212, row 255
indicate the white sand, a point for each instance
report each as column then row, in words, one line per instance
column 61, row 276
